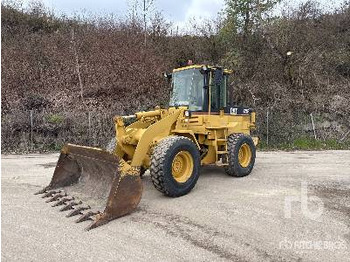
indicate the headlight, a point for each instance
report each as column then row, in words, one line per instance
column 187, row 113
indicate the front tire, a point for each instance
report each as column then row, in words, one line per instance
column 175, row 166
column 241, row 155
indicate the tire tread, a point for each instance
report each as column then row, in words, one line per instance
column 158, row 159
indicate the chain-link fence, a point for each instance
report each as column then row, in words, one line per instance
column 30, row 131
column 286, row 129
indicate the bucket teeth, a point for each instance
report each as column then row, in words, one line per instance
column 63, row 201
column 56, row 197
column 95, row 174
column 51, row 193
column 78, row 211
column 86, row 216
column 70, row 205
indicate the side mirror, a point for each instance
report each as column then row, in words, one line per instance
column 167, row 76
column 204, row 70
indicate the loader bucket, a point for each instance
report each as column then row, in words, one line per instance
column 90, row 182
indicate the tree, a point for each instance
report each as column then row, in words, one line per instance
column 147, row 8
column 245, row 16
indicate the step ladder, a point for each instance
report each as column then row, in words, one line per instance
column 221, row 147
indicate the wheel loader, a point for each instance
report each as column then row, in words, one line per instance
column 200, row 127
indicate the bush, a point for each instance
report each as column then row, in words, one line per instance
column 63, row 68
column 54, row 119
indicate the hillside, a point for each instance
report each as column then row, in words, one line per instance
column 63, row 79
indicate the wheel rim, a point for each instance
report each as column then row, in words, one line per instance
column 182, row 166
column 244, row 155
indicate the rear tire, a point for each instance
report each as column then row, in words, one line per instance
column 175, row 166
column 241, row 155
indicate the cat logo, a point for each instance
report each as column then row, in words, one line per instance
column 233, row 111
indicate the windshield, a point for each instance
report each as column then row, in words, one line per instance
column 188, row 89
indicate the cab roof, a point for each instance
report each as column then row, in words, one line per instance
column 226, row 71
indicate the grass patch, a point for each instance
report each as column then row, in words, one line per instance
column 306, row 143
column 55, row 119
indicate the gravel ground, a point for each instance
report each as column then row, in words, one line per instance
column 222, row 219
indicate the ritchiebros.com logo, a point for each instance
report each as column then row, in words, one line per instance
column 313, row 245
column 304, row 200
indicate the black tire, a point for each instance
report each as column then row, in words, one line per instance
column 111, row 148
column 234, row 144
column 161, row 166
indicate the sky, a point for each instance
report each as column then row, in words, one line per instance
column 177, row 11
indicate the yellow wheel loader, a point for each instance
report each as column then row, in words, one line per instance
column 200, row 127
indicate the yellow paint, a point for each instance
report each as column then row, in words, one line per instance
column 210, row 157
column 244, row 155
column 226, row 71
column 161, row 128
column 182, row 166
column 209, row 131
column 187, row 67
column 187, row 133
column 135, row 142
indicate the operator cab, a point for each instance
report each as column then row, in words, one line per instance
column 200, row 88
